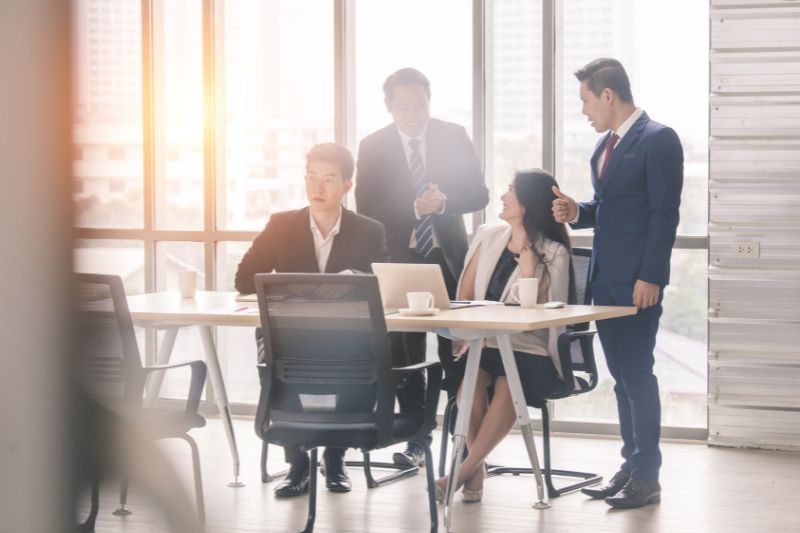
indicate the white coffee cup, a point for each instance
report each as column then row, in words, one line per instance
column 420, row 301
column 187, row 283
column 528, row 291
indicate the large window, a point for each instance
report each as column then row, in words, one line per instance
column 391, row 35
column 278, row 101
column 107, row 159
column 192, row 118
column 514, row 96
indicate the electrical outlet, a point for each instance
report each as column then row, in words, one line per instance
column 750, row 249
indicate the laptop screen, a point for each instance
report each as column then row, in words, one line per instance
column 397, row 279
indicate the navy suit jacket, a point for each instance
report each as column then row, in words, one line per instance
column 634, row 211
column 385, row 191
column 287, row 245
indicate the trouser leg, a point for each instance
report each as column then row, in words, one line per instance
column 629, row 343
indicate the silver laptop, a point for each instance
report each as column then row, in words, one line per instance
column 396, row 279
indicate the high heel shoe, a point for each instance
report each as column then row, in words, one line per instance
column 471, row 496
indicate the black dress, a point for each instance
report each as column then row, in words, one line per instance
column 537, row 372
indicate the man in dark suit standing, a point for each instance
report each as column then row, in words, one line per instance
column 637, row 174
column 419, row 176
column 323, row 237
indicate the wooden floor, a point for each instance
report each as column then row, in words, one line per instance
column 708, row 490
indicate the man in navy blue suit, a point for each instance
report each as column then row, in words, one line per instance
column 637, row 175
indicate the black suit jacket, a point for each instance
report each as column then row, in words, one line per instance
column 385, row 192
column 287, row 245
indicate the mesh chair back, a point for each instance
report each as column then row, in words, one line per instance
column 581, row 262
column 108, row 363
column 326, row 347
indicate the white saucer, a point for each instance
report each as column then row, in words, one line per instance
column 413, row 312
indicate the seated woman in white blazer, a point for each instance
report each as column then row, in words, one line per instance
column 530, row 244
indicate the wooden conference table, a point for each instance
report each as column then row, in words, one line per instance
column 170, row 312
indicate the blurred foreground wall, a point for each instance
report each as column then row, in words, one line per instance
column 35, row 251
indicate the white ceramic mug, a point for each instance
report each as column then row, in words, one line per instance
column 187, row 283
column 420, row 301
column 528, row 291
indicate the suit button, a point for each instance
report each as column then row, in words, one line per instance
column 601, row 200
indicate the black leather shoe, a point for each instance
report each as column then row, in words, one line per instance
column 296, row 482
column 613, row 486
column 336, row 479
column 636, row 494
column 413, row 456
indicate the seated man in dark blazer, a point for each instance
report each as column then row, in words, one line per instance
column 323, row 237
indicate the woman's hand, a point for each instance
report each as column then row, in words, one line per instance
column 527, row 262
column 460, row 348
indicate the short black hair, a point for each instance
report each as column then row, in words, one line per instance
column 606, row 73
column 406, row 76
column 333, row 153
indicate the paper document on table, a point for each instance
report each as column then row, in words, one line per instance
column 459, row 304
column 253, row 297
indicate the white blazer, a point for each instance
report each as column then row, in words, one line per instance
column 491, row 240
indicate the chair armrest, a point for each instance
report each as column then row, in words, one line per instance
column 583, row 333
column 195, row 386
column 565, row 341
column 413, row 368
column 432, row 390
column 262, row 409
column 433, row 386
column 150, row 368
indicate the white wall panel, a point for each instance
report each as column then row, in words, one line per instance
column 755, row 28
column 754, row 196
column 766, row 117
column 756, row 161
column 734, row 73
column 755, row 205
column 745, row 294
column 751, row 3
column 745, row 426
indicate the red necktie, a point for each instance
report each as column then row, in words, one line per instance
column 612, row 141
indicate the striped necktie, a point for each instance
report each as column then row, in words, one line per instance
column 423, row 230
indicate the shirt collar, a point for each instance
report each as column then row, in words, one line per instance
column 334, row 230
column 628, row 123
column 421, row 137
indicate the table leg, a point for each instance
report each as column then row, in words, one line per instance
column 521, row 408
column 462, row 425
column 156, row 378
column 215, row 375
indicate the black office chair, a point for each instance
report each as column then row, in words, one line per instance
column 329, row 379
column 576, row 355
column 110, row 372
column 400, row 471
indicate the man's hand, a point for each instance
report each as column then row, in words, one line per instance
column 430, row 201
column 645, row 294
column 565, row 210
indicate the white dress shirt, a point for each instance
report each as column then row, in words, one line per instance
column 621, row 131
column 322, row 245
